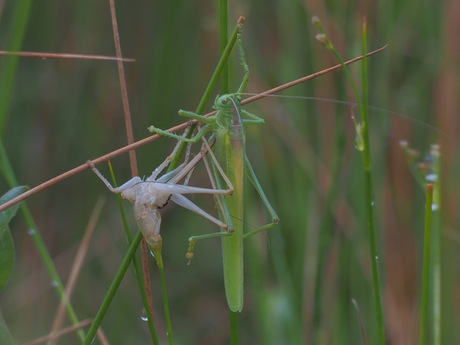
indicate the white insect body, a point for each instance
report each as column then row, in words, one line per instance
column 154, row 193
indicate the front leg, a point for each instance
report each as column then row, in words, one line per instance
column 168, row 160
column 194, row 139
column 135, row 180
column 194, row 116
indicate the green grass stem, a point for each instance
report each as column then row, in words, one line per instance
column 421, row 172
column 224, row 88
column 113, row 289
column 18, row 29
column 234, row 331
column 164, row 293
column 209, row 88
column 223, row 40
column 155, row 249
column 34, row 232
column 136, row 264
column 436, row 247
column 363, row 145
column 374, row 257
column 426, row 263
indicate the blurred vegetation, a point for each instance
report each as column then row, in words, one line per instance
column 63, row 112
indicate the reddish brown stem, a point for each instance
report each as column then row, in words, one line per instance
column 182, row 126
column 132, row 153
column 124, row 90
column 60, row 333
column 42, row 55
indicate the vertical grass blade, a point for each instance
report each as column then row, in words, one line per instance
column 156, row 251
column 234, row 333
column 436, row 246
column 136, row 264
column 374, row 257
column 16, row 38
column 212, row 83
column 363, row 145
column 426, row 263
column 112, row 289
column 7, row 172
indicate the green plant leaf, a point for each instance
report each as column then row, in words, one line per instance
column 6, row 240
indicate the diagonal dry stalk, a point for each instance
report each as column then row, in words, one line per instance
column 75, row 271
column 42, row 55
column 124, row 89
column 65, row 331
column 132, row 153
column 177, row 128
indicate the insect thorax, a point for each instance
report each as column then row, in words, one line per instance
column 146, row 193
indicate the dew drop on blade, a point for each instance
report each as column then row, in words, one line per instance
column 431, row 177
column 144, row 315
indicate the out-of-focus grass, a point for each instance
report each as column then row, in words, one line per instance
column 65, row 112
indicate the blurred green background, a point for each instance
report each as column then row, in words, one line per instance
column 60, row 113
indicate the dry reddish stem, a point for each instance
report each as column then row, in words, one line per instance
column 75, row 271
column 132, row 153
column 124, row 89
column 60, row 333
column 177, row 128
column 42, row 55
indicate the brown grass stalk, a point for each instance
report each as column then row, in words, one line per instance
column 177, row 128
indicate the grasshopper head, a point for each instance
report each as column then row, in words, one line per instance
column 228, row 101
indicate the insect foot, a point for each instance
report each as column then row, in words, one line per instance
column 189, row 255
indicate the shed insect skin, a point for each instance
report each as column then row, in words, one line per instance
column 152, row 194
